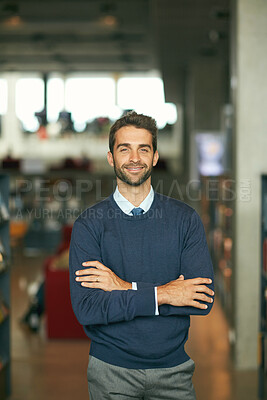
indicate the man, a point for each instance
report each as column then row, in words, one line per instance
column 139, row 266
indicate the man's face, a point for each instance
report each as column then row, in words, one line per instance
column 133, row 157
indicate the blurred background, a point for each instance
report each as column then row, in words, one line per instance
column 68, row 70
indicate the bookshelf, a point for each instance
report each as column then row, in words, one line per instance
column 217, row 207
column 4, row 289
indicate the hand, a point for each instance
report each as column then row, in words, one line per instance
column 185, row 292
column 100, row 277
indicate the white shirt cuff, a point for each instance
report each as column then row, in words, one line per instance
column 156, row 301
column 134, row 286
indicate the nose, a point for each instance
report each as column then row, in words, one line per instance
column 134, row 156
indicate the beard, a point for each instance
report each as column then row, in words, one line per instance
column 132, row 181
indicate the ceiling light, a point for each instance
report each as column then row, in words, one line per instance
column 109, row 21
column 13, row 21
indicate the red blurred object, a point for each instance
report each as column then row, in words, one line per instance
column 42, row 132
column 60, row 319
column 61, row 322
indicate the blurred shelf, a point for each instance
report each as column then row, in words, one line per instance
column 4, row 318
column 217, row 208
column 5, row 370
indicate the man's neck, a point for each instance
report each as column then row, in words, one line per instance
column 134, row 194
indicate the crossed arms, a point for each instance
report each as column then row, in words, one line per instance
column 179, row 292
column 189, row 294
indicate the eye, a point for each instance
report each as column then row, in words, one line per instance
column 123, row 149
column 144, row 150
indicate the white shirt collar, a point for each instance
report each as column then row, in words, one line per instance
column 126, row 206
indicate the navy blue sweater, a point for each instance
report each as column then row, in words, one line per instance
column 150, row 249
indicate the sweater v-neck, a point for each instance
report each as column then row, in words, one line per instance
column 144, row 216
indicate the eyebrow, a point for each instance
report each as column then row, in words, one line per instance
column 129, row 145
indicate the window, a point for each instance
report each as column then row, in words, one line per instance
column 29, row 99
column 3, row 96
column 146, row 95
column 90, row 98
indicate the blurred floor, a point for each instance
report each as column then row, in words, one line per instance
column 56, row 369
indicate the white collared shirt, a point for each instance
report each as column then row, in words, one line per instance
column 126, row 206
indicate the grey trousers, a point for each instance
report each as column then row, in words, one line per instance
column 109, row 382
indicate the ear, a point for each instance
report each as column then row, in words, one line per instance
column 110, row 159
column 155, row 158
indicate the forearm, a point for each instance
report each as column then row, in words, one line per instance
column 195, row 267
column 178, row 302
column 167, row 310
column 96, row 306
column 166, row 296
column 162, row 295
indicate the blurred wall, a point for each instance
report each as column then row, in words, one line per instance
column 249, row 92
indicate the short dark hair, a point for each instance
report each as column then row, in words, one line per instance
column 140, row 121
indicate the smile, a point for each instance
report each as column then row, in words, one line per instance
column 134, row 169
